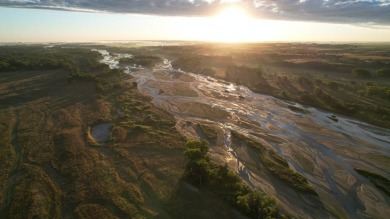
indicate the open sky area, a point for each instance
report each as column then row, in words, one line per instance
column 195, row 20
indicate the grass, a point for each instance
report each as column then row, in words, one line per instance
column 7, row 152
column 209, row 133
column 36, row 194
column 203, row 110
column 48, row 168
column 277, row 165
column 175, row 89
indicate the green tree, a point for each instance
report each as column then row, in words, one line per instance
column 257, row 205
column 197, row 162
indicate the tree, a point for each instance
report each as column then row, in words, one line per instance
column 257, row 205
column 226, row 184
column 197, row 162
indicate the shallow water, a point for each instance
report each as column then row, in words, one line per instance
column 101, row 132
column 334, row 149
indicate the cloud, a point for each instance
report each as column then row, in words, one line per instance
column 370, row 12
column 335, row 11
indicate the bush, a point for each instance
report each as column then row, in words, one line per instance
column 257, row 205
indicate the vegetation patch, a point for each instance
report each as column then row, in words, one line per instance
column 203, row 110
column 225, row 184
column 277, row 165
column 143, row 60
column 209, row 133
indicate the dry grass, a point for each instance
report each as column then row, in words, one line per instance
column 203, row 111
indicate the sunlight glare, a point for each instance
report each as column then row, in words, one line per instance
column 231, row 25
column 234, row 25
column 232, row 16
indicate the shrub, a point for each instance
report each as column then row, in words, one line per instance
column 257, row 205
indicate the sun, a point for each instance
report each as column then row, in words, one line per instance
column 232, row 16
column 232, row 24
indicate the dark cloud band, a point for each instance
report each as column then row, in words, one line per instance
column 335, row 11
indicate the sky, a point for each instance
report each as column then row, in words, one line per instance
column 195, row 20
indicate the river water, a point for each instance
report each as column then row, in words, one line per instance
column 324, row 150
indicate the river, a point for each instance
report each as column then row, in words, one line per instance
column 323, row 149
